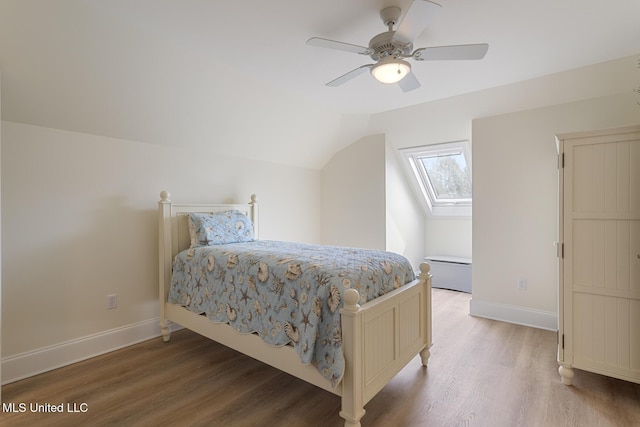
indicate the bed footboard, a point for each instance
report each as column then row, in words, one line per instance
column 380, row 338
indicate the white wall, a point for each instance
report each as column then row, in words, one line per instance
column 79, row 222
column 405, row 218
column 448, row 236
column 353, row 198
column 515, row 203
column 367, row 201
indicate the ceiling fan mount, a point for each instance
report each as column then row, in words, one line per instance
column 390, row 16
column 392, row 48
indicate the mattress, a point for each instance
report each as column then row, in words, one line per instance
column 287, row 293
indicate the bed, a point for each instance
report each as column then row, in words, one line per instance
column 376, row 337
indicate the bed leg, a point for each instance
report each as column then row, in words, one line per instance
column 348, row 423
column 424, row 356
column 165, row 330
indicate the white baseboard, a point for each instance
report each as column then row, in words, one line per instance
column 513, row 314
column 45, row 359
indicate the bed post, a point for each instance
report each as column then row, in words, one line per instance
column 426, row 277
column 164, row 240
column 352, row 382
column 255, row 214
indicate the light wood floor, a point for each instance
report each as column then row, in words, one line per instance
column 481, row 373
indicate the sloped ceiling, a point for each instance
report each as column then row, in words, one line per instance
column 238, row 76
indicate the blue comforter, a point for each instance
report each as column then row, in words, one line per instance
column 287, row 293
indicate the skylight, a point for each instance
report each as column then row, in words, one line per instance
column 443, row 172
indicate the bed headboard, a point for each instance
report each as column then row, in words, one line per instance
column 174, row 229
column 173, row 218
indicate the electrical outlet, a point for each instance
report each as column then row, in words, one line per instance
column 112, row 301
column 522, row 284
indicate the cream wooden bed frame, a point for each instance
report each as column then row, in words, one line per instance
column 379, row 337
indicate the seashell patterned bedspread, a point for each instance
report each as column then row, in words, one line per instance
column 287, row 293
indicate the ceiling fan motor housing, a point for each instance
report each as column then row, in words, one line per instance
column 383, row 45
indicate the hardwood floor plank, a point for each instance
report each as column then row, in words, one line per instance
column 481, row 373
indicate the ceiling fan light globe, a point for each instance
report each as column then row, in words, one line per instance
column 390, row 70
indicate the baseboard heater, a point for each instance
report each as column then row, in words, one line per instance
column 450, row 272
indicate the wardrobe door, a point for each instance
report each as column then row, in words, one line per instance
column 601, row 263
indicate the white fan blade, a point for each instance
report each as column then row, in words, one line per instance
column 349, row 76
column 443, row 53
column 419, row 15
column 332, row 44
column 409, row 83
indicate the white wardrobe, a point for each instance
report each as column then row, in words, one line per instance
column 599, row 253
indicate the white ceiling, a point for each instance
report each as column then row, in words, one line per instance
column 237, row 77
column 266, row 39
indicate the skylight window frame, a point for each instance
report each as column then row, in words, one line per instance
column 460, row 207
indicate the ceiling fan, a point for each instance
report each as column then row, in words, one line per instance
column 392, row 49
